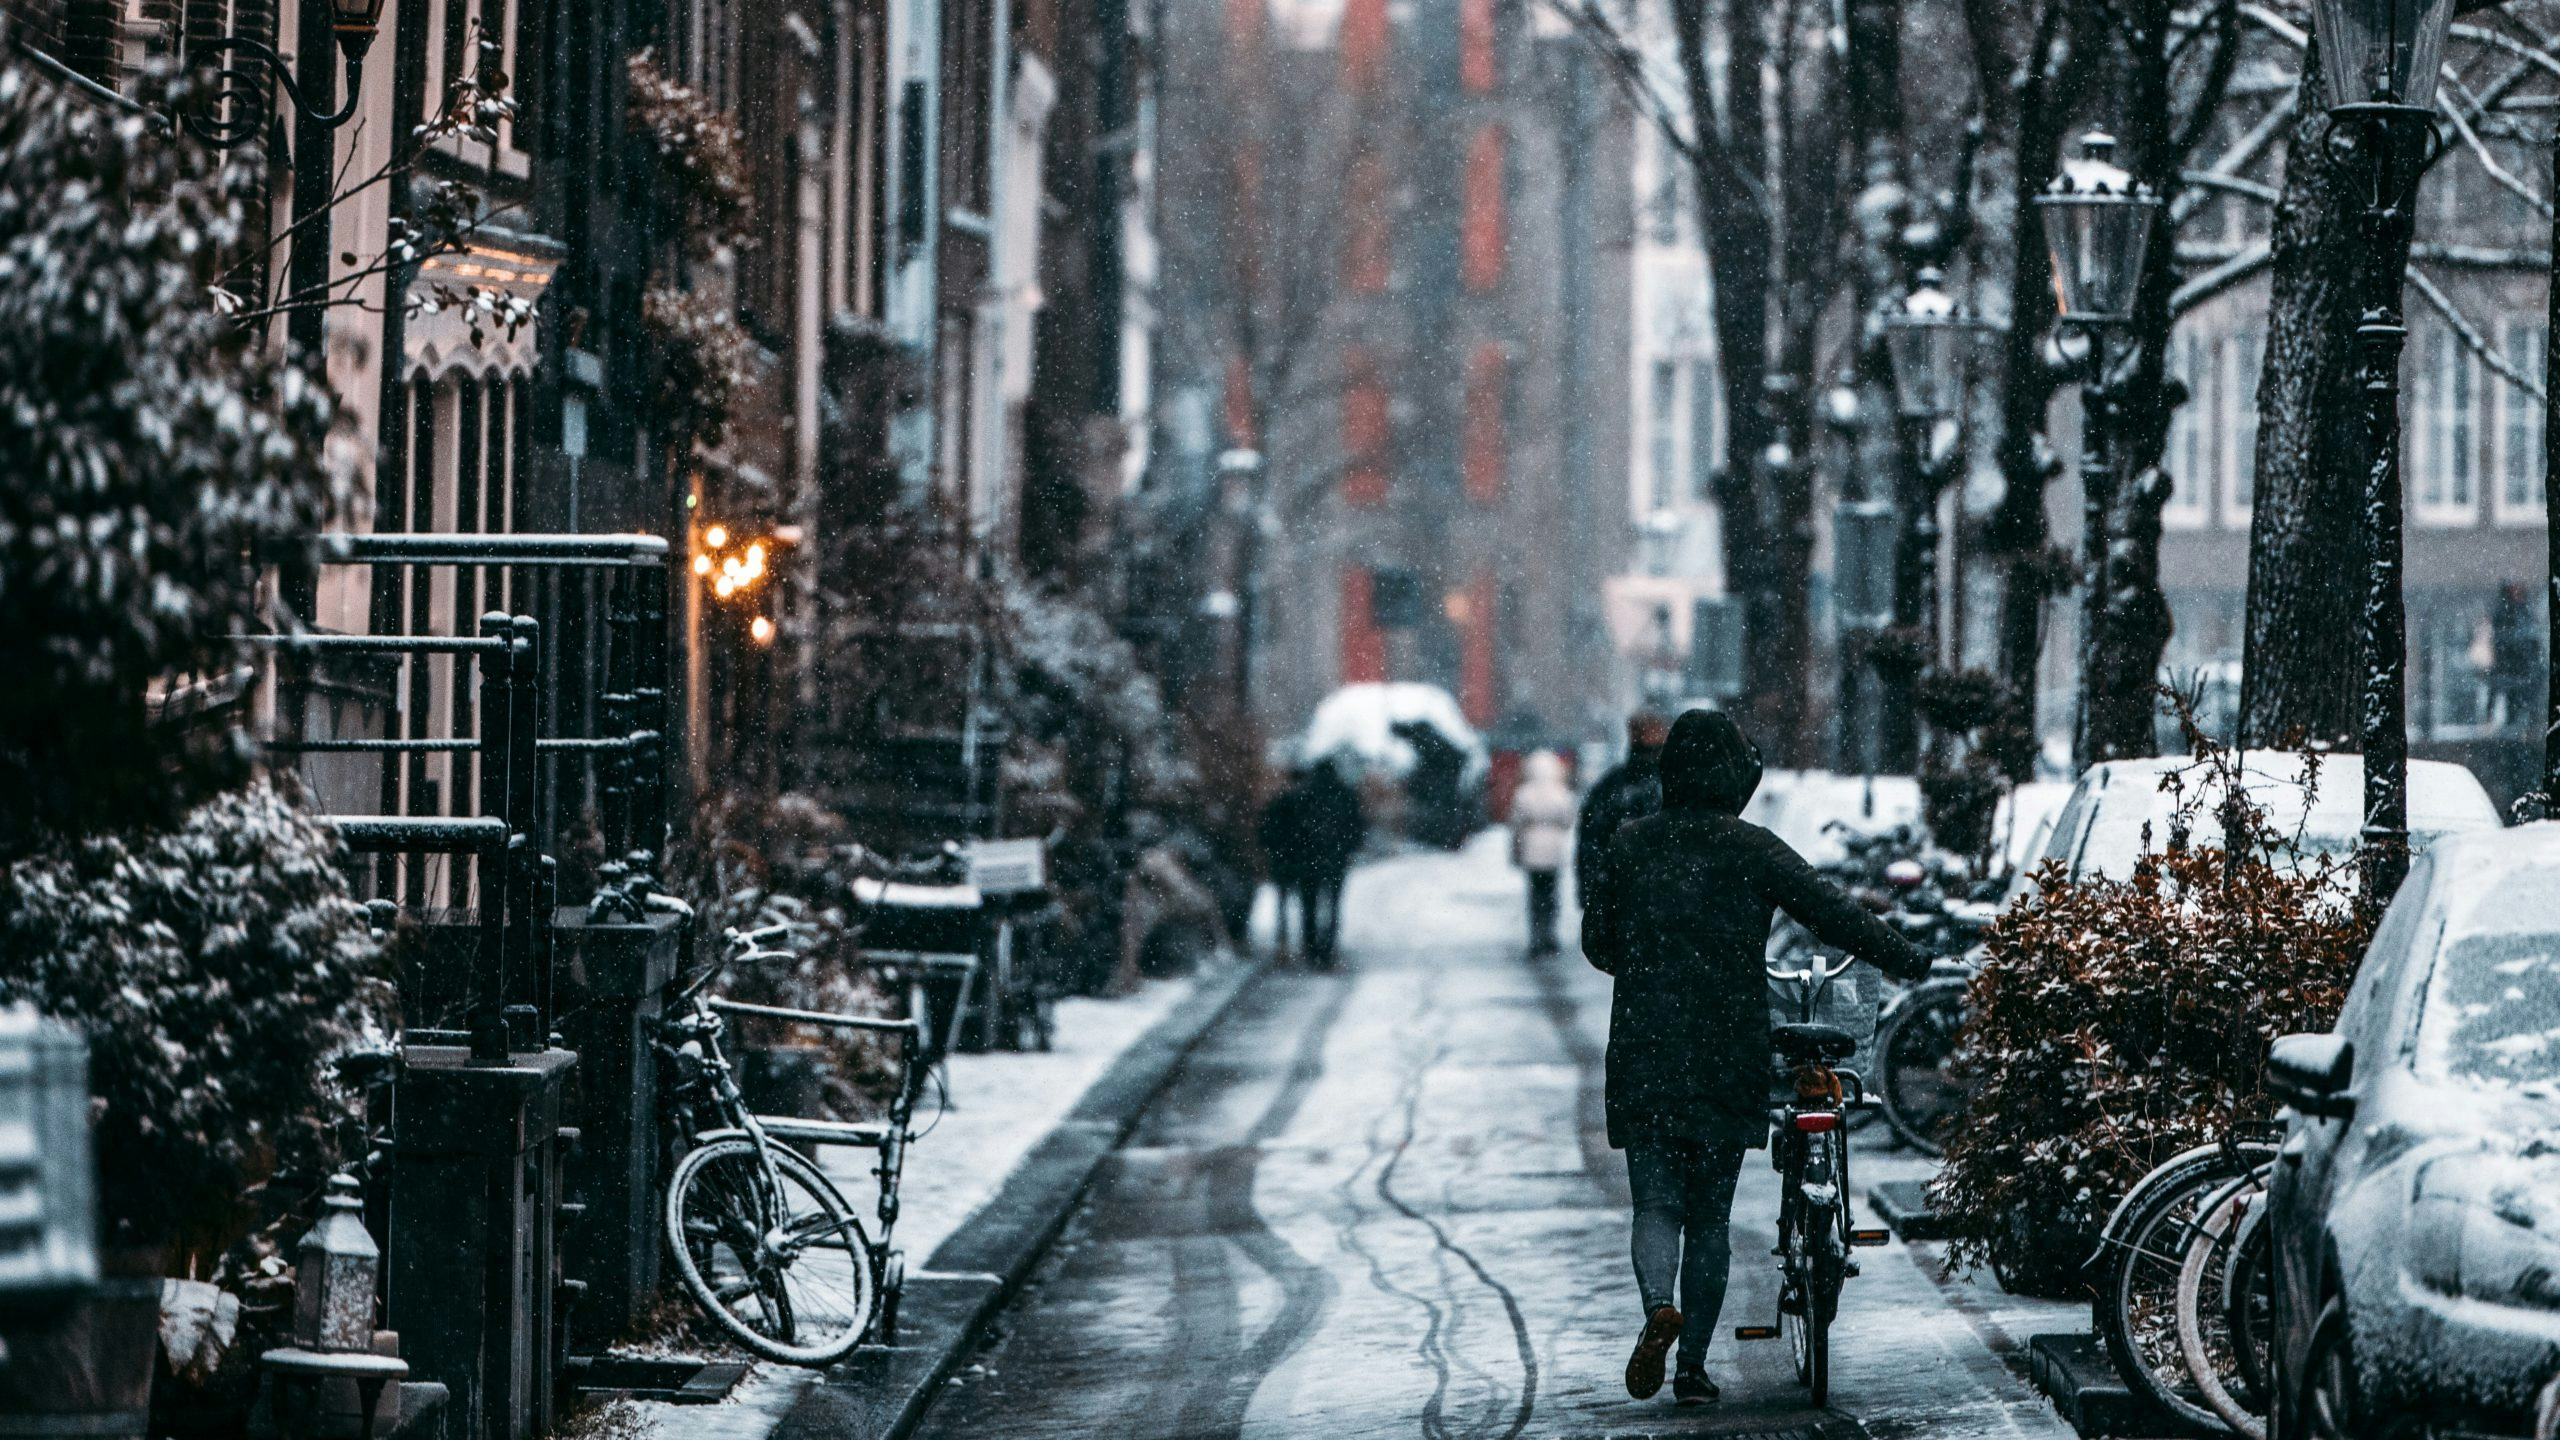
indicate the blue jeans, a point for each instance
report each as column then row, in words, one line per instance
column 1684, row 1199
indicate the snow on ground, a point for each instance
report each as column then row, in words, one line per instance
column 1001, row 1104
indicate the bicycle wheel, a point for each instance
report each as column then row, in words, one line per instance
column 2206, row 1340
column 2249, row 1306
column 774, row 1256
column 1815, row 1269
column 2137, row 1311
column 1915, row 1057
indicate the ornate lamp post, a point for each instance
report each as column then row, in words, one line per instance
column 1930, row 341
column 2098, row 221
column 2378, row 61
column 236, row 109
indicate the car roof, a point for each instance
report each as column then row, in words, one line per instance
column 2535, row 846
column 2439, row 790
column 2443, row 798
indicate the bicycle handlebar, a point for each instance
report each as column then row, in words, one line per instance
column 1821, row 963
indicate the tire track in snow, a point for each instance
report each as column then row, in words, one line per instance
column 1222, row 1397
column 1434, row 1424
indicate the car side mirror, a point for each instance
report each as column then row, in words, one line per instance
column 2311, row 1073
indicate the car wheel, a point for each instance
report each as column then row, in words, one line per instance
column 2329, row 1402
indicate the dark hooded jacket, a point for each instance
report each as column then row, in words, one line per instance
column 1682, row 920
column 1629, row 790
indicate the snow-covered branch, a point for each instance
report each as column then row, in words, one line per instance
column 2470, row 336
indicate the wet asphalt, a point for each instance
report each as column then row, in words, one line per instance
column 1379, row 1202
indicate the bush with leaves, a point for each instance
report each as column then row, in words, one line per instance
column 151, row 447
column 2116, row 1022
column 216, row 968
column 696, row 152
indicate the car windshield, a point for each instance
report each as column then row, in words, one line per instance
column 2492, row 1010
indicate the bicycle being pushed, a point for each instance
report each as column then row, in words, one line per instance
column 761, row 1238
column 1809, row 1146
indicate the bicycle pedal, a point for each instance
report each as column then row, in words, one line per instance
column 1870, row 1237
column 1755, row 1332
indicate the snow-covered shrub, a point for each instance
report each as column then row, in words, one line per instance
column 2117, row 1022
column 150, row 445
column 216, row 967
column 699, row 161
column 705, row 363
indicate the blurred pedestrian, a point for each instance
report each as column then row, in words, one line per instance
column 1542, row 816
column 1286, row 858
column 1628, row 790
column 1335, row 830
column 1680, row 916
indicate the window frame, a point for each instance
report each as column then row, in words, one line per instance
column 2518, row 414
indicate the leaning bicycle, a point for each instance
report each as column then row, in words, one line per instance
column 1809, row 1146
column 760, row 1237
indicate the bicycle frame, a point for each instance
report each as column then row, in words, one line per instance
column 708, row 1105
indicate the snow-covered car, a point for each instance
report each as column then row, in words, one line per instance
column 2415, row 1204
column 2119, row 811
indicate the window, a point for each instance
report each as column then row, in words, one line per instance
column 1475, row 45
column 2520, row 426
column 1362, row 42
column 2194, row 435
column 1363, row 642
column 1482, row 236
column 1662, row 436
column 2245, row 353
column 2456, row 668
column 1706, row 428
column 1483, row 458
column 2447, row 476
column 1367, row 252
column 1364, row 431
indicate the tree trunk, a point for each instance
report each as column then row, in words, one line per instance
column 2128, row 614
column 1741, row 258
column 2299, row 666
column 2017, row 536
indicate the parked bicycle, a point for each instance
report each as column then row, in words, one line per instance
column 761, row 1238
column 2183, row 1289
column 1920, row 1085
column 1810, row 1150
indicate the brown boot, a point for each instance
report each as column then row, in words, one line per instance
column 1644, row 1368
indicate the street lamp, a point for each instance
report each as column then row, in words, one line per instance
column 2379, row 60
column 1930, row 343
column 2097, row 227
column 233, row 109
column 2097, row 230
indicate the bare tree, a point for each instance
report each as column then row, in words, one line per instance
column 2300, row 665
column 1751, row 101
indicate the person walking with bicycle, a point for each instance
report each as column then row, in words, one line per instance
column 1678, row 909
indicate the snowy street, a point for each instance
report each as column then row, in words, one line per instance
column 1380, row 1200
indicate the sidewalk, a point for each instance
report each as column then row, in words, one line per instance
column 987, row 1186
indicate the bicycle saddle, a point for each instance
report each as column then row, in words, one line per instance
column 1800, row 1043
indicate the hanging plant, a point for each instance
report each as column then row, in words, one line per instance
column 695, row 150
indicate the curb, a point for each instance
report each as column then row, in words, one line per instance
column 883, row 1392
column 1903, row 1205
column 2074, row 1371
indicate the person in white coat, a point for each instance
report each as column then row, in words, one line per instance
column 1542, row 814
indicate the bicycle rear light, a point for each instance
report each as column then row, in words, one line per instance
column 1816, row 1122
